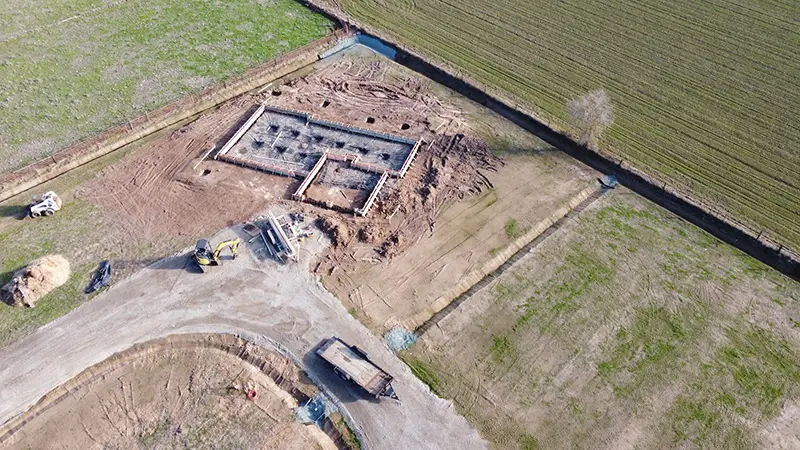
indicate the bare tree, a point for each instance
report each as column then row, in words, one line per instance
column 590, row 115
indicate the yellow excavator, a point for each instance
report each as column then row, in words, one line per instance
column 205, row 257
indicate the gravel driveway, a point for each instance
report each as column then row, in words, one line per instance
column 257, row 299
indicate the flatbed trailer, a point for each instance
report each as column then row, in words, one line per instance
column 282, row 235
column 352, row 364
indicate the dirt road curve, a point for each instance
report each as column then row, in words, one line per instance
column 254, row 298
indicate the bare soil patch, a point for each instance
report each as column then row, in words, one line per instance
column 784, row 431
column 186, row 391
column 337, row 197
column 164, row 190
column 363, row 90
column 448, row 170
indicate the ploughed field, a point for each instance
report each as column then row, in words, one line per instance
column 705, row 93
column 69, row 70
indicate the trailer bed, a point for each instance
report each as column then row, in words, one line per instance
column 355, row 365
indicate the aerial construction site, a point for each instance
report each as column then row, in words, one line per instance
column 346, row 254
column 294, row 144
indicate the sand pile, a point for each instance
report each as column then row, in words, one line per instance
column 34, row 281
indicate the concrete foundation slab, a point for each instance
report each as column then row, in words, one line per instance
column 293, row 143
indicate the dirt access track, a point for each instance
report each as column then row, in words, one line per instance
column 258, row 300
column 164, row 393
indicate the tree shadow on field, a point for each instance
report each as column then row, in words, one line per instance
column 345, row 391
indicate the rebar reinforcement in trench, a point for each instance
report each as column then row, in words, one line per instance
column 509, row 263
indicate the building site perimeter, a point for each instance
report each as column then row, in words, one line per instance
column 589, row 315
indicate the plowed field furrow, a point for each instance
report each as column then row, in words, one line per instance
column 777, row 167
column 708, row 93
column 705, row 92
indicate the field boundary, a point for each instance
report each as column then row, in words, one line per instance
column 234, row 345
column 523, row 245
column 446, row 302
column 720, row 225
column 675, row 199
column 64, row 160
column 711, row 219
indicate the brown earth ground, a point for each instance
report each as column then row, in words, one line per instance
column 186, row 391
column 627, row 328
column 165, row 192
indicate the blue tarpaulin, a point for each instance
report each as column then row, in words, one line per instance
column 608, row 181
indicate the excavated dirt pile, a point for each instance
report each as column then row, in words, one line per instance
column 336, row 229
column 31, row 283
column 448, row 170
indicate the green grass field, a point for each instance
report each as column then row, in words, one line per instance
column 705, row 93
column 627, row 328
column 71, row 69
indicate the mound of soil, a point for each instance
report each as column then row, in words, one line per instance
column 336, row 229
column 33, row 282
column 447, row 170
column 371, row 233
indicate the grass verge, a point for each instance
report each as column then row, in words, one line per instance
column 71, row 70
